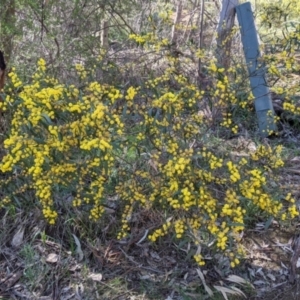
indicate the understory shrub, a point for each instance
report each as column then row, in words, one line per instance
column 150, row 146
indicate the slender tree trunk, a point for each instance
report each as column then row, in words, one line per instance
column 2, row 71
column 224, row 38
column 174, row 38
column 104, row 34
column 7, row 21
column 200, row 42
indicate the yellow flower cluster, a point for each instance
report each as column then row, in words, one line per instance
column 234, row 173
column 199, row 259
column 214, row 162
column 45, row 149
column 270, row 157
column 131, row 92
column 16, row 82
column 160, row 232
column 41, row 65
column 290, row 107
column 81, row 71
column 227, row 121
column 180, row 228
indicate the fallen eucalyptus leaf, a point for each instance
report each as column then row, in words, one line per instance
column 95, row 276
column 78, row 248
column 18, row 238
column 52, row 258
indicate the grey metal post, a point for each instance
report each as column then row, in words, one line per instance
column 263, row 103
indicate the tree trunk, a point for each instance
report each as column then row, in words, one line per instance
column 7, row 22
column 104, row 34
column 174, row 38
column 2, row 71
column 224, row 40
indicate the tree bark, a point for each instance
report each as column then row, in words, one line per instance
column 7, row 21
column 224, row 38
column 174, row 38
column 2, row 71
column 104, row 34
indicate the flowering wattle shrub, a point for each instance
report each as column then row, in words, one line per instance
column 147, row 145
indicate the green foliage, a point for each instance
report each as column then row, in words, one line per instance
column 274, row 12
column 280, row 32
